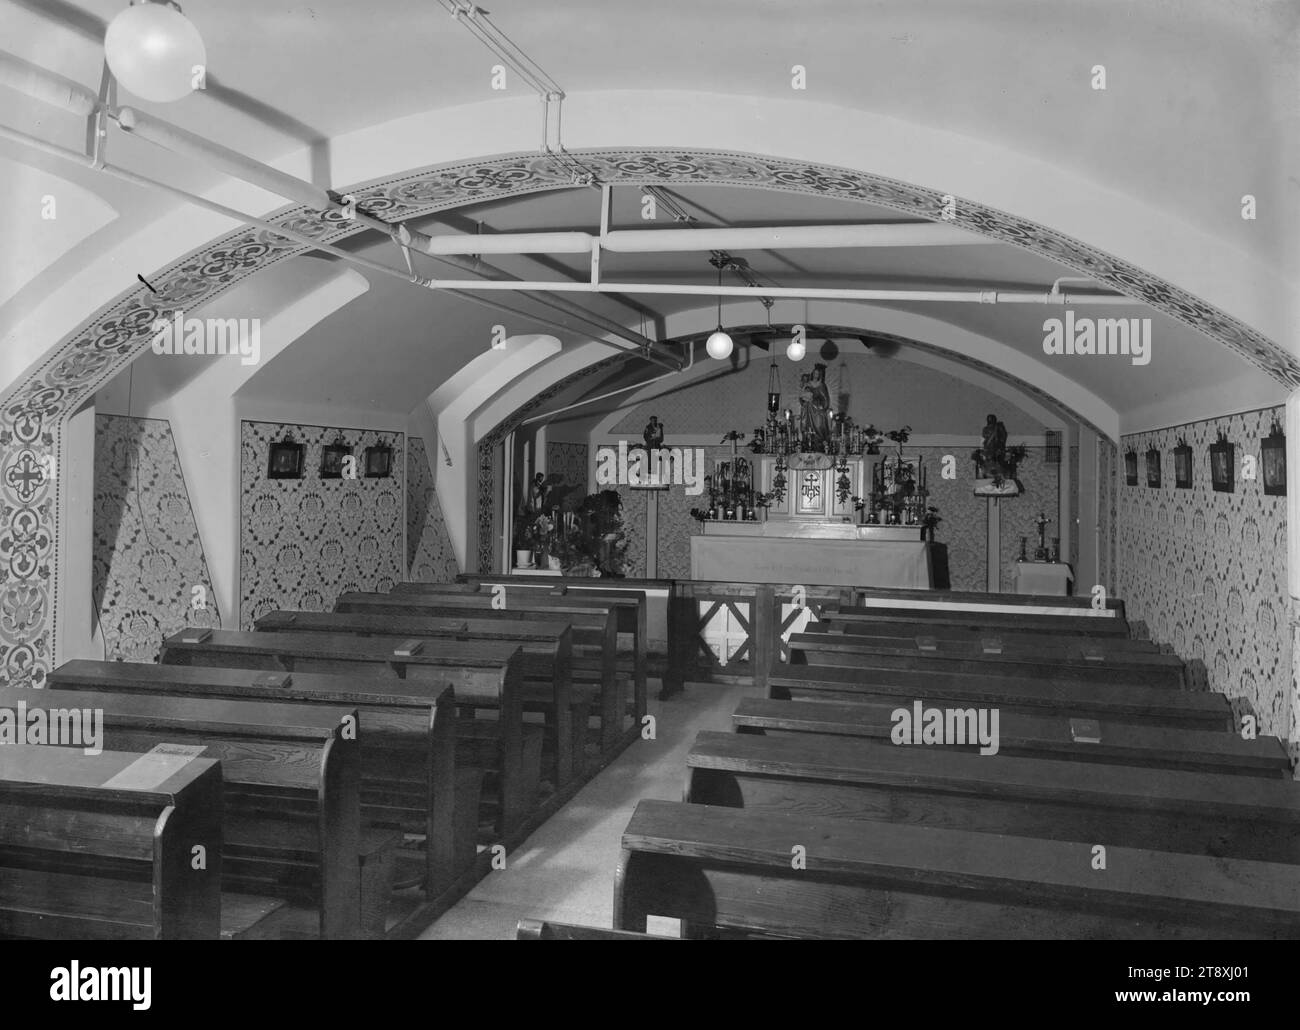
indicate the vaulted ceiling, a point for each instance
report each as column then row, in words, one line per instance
column 1200, row 108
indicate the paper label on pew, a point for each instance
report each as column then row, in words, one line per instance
column 152, row 769
column 193, row 750
column 272, row 679
column 1085, row 731
column 927, row 643
column 992, row 645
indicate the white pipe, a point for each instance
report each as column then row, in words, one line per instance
column 506, row 243
column 661, row 241
column 812, row 293
column 788, row 237
column 612, row 393
column 177, row 140
column 46, row 86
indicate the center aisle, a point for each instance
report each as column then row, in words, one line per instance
column 565, row 871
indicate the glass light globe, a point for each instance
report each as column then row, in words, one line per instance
column 796, row 351
column 153, row 50
column 718, row 345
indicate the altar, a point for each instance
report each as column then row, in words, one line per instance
column 829, row 553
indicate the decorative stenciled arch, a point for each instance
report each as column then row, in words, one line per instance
column 34, row 411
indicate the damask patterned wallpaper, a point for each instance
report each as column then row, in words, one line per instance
column 150, row 577
column 569, row 462
column 305, row 541
column 1207, row 571
column 429, row 556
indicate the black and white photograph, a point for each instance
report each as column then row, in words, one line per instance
column 652, row 471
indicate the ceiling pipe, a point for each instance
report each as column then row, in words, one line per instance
column 241, row 217
column 178, row 141
column 170, row 137
column 550, row 415
column 698, row 240
column 799, row 292
column 46, row 86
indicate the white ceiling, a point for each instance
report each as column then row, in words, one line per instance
column 1201, row 106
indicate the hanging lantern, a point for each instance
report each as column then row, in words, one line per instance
column 773, row 387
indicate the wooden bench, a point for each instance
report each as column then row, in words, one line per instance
column 509, row 738
column 962, row 658
column 629, row 605
column 632, row 603
column 1154, row 809
column 594, row 627
column 547, row 649
column 409, row 779
column 100, row 847
column 545, row 930
column 982, row 601
column 973, row 630
column 292, row 823
column 733, row 869
column 991, row 618
column 1035, row 736
column 1143, row 706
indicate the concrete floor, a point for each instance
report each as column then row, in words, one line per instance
column 565, row 871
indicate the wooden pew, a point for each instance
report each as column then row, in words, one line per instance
column 292, row 804
column 1106, row 702
column 594, row 625
column 632, row 620
column 630, row 607
column 408, row 778
column 982, row 601
column 961, row 658
column 545, row 930
column 1034, row 736
column 732, row 868
column 99, row 847
column 1089, row 803
column 510, row 738
column 974, row 632
column 991, row 618
column 547, row 649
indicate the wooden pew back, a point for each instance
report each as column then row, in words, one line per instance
column 292, row 787
column 64, row 815
column 398, row 718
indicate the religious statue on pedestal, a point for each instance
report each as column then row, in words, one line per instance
column 536, row 502
column 994, row 447
column 996, row 463
column 814, row 410
column 654, row 434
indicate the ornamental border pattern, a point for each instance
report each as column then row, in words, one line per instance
column 34, row 410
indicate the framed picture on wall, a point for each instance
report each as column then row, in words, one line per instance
column 331, row 460
column 1153, row 466
column 1131, row 468
column 1222, row 455
column 285, row 461
column 379, row 461
column 1183, row 466
column 1272, row 455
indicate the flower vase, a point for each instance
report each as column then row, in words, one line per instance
column 523, row 559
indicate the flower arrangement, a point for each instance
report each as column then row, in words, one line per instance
column 600, row 537
column 1000, row 472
